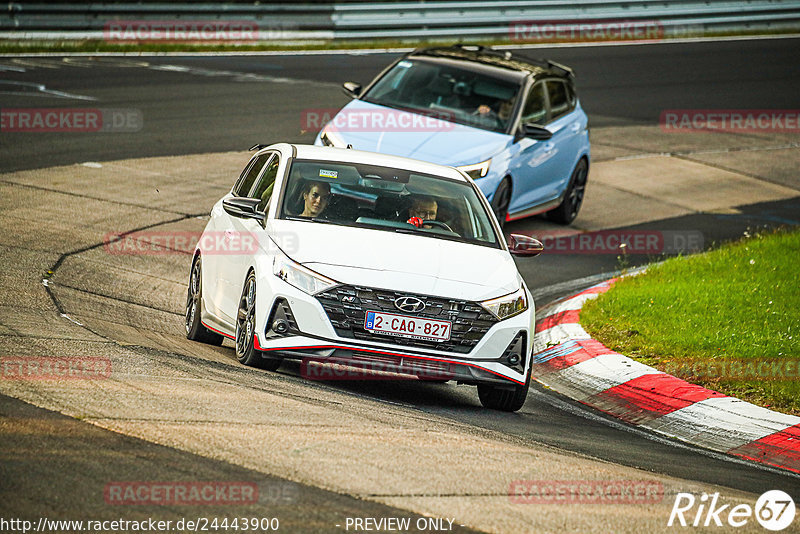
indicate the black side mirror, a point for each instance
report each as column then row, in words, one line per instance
column 522, row 245
column 244, row 208
column 352, row 89
column 536, row 132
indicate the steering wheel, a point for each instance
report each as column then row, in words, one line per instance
column 440, row 224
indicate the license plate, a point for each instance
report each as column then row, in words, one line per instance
column 407, row 326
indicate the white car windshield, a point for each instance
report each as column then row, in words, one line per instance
column 446, row 92
column 384, row 198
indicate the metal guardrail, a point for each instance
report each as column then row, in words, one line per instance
column 468, row 19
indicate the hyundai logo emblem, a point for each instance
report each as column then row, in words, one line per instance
column 409, row 304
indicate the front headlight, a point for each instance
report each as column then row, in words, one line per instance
column 300, row 277
column 507, row 305
column 477, row 170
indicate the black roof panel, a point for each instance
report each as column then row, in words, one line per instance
column 494, row 58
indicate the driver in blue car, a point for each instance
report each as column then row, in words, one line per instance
column 501, row 115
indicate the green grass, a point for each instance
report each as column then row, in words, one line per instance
column 740, row 303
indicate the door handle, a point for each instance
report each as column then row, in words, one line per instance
column 576, row 126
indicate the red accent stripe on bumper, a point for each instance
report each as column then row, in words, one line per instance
column 217, row 331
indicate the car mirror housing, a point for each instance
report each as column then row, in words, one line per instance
column 352, row 89
column 244, row 208
column 522, row 245
column 536, row 132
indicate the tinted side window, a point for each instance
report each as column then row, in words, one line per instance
column 265, row 186
column 572, row 96
column 247, row 180
column 559, row 99
column 535, row 110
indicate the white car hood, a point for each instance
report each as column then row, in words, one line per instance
column 401, row 262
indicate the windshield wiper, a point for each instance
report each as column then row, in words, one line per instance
column 407, row 231
column 314, row 219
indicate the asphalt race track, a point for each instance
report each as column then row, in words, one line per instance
column 321, row 452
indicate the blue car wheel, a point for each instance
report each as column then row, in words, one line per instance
column 566, row 212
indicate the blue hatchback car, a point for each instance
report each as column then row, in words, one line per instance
column 513, row 124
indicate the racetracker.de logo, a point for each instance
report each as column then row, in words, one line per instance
column 179, row 242
column 730, row 120
column 590, row 30
column 166, row 31
column 180, row 493
column 735, row 369
column 375, row 120
column 620, row 242
column 585, row 492
column 75, row 120
column 55, row 368
column 314, row 369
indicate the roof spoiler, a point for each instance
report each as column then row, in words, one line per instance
column 258, row 146
column 563, row 68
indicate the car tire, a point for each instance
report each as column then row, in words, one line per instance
column 566, row 212
column 503, row 399
column 246, row 351
column 501, row 200
column 194, row 326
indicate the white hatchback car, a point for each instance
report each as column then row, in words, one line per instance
column 356, row 258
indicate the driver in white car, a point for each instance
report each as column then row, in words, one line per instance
column 315, row 198
column 423, row 208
